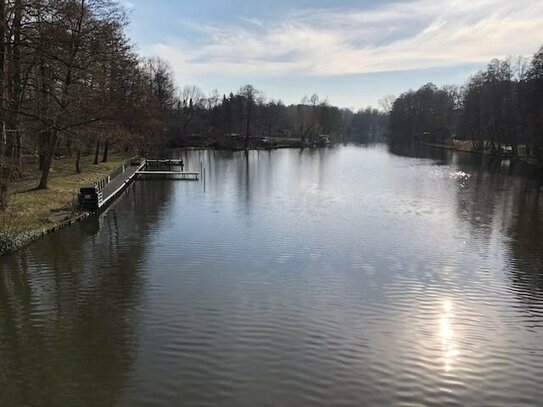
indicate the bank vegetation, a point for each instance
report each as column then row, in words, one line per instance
column 499, row 111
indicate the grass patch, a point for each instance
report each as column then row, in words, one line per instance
column 29, row 209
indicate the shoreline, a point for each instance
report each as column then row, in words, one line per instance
column 33, row 214
column 10, row 243
column 480, row 153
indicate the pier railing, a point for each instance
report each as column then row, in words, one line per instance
column 100, row 184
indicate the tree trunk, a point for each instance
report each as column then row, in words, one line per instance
column 15, row 88
column 3, row 195
column 78, row 161
column 64, row 100
column 47, row 160
column 2, row 48
column 97, row 151
column 19, row 150
column 3, row 175
column 45, row 171
column 43, row 143
column 106, row 150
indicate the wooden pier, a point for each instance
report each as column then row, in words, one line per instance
column 118, row 183
column 167, row 161
column 102, row 193
column 180, row 175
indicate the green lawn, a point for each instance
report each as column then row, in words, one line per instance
column 29, row 209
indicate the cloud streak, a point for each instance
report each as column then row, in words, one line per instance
column 329, row 42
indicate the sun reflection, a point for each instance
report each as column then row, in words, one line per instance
column 446, row 335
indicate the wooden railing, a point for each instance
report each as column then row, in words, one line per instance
column 100, row 184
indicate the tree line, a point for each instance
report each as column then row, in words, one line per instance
column 499, row 109
column 70, row 81
column 248, row 115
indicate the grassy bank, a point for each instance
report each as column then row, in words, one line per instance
column 32, row 212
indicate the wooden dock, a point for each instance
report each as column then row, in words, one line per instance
column 117, row 184
column 168, row 161
column 180, row 175
column 102, row 193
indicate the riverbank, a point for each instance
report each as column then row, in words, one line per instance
column 33, row 213
column 466, row 146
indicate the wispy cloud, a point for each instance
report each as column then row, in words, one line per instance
column 400, row 36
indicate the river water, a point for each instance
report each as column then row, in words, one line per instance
column 342, row 276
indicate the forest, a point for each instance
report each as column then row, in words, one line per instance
column 499, row 110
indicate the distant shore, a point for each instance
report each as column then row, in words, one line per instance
column 237, row 142
column 466, row 146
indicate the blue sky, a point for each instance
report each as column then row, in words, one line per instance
column 350, row 52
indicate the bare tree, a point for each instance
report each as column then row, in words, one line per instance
column 249, row 95
column 386, row 103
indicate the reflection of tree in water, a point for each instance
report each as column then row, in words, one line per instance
column 478, row 182
column 69, row 307
column 526, row 232
column 497, row 197
column 439, row 155
column 487, row 194
column 481, row 194
column 255, row 169
column 247, row 180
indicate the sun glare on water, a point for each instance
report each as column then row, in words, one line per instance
column 447, row 336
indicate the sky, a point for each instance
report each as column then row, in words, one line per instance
column 351, row 53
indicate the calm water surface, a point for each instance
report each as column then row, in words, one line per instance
column 344, row 276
